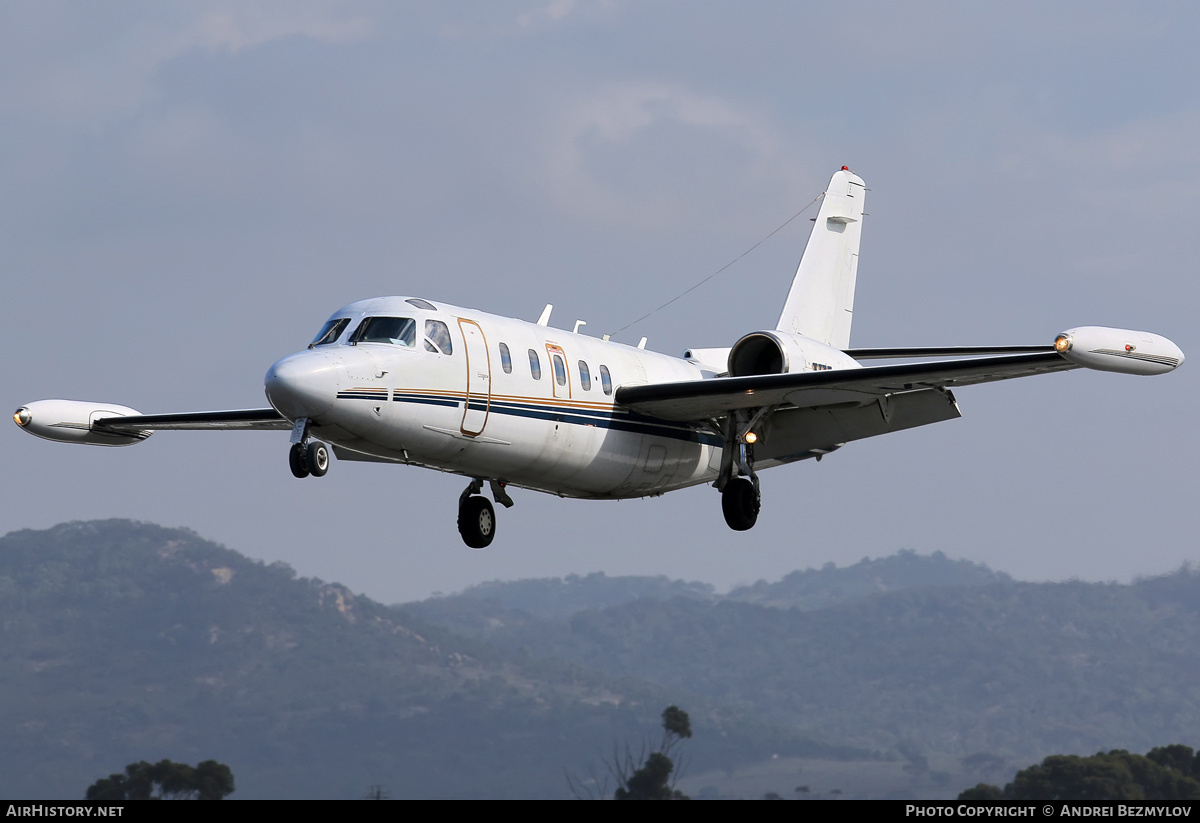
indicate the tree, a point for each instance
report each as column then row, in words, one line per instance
column 165, row 780
column 1166, row 773
column 652, row 781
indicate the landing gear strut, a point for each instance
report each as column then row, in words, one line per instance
column 476, row 517
column 306, row 456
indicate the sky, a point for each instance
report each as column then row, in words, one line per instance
column 189, row 190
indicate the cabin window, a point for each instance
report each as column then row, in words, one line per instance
column 437, row 337
column 330, row 332
column 421, row 304
column 605, row 380
column 505, row 359
column 560, row 370
column 400, row 331
column 585, row 376
column 535, row 365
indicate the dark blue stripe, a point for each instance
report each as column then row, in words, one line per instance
column 423, row 400
column 618, row 421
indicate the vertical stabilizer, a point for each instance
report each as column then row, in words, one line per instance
column 821, row 302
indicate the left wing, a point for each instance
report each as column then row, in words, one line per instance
column 241, row 420
column 698, row 400
column 109, row 424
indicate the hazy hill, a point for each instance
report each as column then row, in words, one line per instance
column 559, row 597
column 976, row 663
column 127, row 641
column 830, row 585
column 534, row 612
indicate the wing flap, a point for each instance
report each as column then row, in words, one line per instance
column 696, row 400
column 235, row 420
column 794, row 434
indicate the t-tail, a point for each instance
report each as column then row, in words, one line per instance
column 820, row 305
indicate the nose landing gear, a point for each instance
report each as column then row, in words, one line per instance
column 306, row 456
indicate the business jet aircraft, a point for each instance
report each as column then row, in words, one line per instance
column 510, row 403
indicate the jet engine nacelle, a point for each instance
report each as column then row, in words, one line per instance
column 73, row 421
column 777, row 352
column 1119, row 350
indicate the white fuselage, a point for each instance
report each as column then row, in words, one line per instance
column 541, row 417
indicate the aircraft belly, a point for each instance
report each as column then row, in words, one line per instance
column 573, row 459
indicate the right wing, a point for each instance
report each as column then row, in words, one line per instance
column 701, row 400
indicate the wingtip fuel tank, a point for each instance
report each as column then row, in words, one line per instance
column 74, row 421
column 1119, row 350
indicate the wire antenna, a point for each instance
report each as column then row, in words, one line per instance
column 780, row 228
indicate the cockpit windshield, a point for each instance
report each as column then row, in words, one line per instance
column 400, row 331
column 330, row 332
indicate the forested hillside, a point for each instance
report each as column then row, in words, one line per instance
column 970, row 663
column 127, row 641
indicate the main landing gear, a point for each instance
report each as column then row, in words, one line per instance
column 476, row 517
column 737, row 482
column 306, row 456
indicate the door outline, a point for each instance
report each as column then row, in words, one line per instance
column 560, row 392
column 479, row 377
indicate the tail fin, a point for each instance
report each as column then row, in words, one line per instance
column 821, row 303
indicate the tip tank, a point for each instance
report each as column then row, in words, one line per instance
column 1119, row 350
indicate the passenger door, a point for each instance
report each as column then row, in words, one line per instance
column 479, row 378
column 560, row 376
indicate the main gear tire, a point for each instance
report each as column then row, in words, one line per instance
column 477, row 522
column 740, row 504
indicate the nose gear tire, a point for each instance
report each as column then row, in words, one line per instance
column 298, row 460
column 316, row 457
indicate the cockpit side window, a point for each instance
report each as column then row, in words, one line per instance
column 437, row 337
column 330, row 332
column 400, row 331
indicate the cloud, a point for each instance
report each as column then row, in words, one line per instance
column 245, row 25
column 597, row 166
column 86, row 65
column 554, row 11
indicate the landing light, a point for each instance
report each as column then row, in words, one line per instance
column 22, row 417
column 1062, row 343
column 750, row 438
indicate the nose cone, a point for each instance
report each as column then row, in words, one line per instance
column 304, row 384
